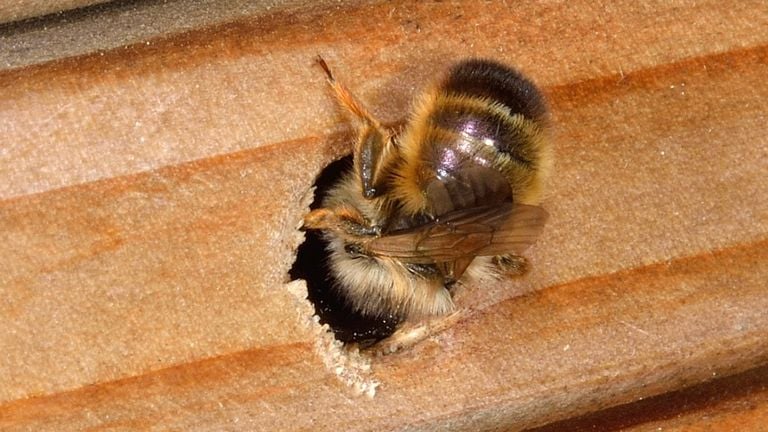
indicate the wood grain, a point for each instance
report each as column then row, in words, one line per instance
column 738, row 402
column 23, row 9
column 175, row 100
column 151, row 270
column 515, row 364
column 98, row 26
column 151, row 197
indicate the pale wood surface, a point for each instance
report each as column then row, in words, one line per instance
column 151, row 194
column 13, row 10
column 112, row 24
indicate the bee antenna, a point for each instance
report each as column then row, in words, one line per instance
column 345, row 97
column 319, row 60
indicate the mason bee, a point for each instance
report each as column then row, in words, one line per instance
column 451, row 198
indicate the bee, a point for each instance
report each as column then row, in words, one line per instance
column 451, row 198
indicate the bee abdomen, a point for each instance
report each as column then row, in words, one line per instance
column 490, row 80
column 482, row 114
column 458, row 120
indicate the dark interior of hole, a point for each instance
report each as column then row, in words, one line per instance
column 311, row 265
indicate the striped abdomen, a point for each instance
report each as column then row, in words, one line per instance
column 475, row 139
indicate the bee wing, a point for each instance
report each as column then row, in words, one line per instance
column 466, row 233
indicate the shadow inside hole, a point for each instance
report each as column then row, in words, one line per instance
column 311, row 265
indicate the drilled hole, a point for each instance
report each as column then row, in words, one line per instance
column 311, row 265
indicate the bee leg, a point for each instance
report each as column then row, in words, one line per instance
column 409, row 334
column 512, row 265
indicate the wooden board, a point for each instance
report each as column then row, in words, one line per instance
column 735, row 403
column 150, row 199
column 24, row 9
column 100, row 25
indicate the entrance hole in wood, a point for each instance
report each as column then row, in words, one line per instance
column 311, row 265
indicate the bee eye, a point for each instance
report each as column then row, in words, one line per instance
column 369, row 193
column 353, row 249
